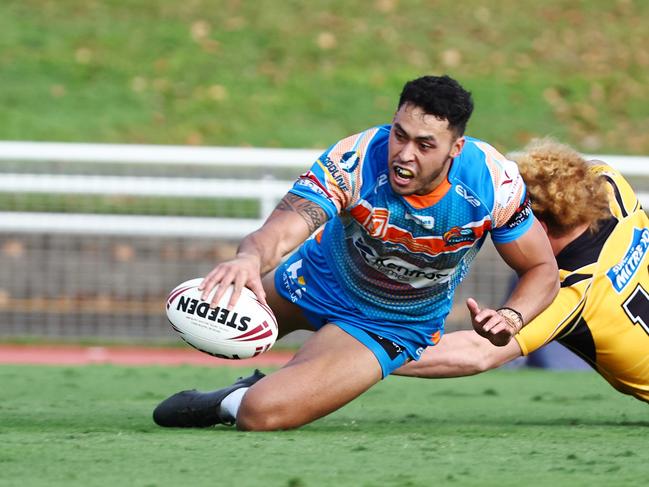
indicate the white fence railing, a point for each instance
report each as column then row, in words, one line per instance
column 266, row 191
column 132, row 225
column 157, row 154
column 298, row 159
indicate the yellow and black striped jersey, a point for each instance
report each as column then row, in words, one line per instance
column 602, row 310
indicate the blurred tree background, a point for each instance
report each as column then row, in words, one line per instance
column 303, row 74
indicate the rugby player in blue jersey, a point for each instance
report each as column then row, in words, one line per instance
column 386, row 223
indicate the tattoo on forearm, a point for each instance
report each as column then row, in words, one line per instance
column 312, row 213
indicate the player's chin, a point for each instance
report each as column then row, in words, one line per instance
column 402, row 189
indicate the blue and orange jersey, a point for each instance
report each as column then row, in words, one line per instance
column 400, row 258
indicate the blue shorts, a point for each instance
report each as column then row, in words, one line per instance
column 308, row 283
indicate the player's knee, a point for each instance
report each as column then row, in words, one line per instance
column 262, row 413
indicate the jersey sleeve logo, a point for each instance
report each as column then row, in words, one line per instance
column 334, row 173
column 310, row 181
column 349, row 161
column 508, row 189
column 522, row 213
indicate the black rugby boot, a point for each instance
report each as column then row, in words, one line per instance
column 195, row 409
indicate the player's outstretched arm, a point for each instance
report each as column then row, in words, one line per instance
column 532, row 258
column 291, row 223
column 458, row 354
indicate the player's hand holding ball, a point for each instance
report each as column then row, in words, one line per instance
column 243, row 270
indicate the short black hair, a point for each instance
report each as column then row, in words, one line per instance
column 442, row 97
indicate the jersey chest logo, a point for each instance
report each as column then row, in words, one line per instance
column 373, row 220
column 622, row 273
column 427, row 222
column 400, row 270
column 458, row 235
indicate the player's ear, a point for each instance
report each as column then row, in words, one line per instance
column 457, row 146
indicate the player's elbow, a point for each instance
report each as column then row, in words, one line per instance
column 490, row 357
column 484, row 356
column 549, row 272
column 483, row 361
column 556, row 287
column 553, row 283
column 475, row 363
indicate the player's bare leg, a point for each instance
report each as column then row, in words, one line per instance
column 316, row 382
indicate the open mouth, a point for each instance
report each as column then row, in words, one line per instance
column 402, row 174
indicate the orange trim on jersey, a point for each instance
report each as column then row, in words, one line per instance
column 431, row 198
column 435, row 337
column 360, row 213
column 375, row 222
column 431, row 245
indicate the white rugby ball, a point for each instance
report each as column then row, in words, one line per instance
column 246, row 330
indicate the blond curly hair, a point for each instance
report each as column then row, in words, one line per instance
column 564, row 192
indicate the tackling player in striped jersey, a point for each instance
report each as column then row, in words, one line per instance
column 600, row 236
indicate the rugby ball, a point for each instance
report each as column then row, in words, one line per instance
column 243, row 331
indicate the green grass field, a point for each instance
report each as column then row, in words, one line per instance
column 91, row 426
column 304, row 74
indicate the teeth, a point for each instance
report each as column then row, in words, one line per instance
column 403, row 173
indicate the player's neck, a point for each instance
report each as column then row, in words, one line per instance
column 559, row 243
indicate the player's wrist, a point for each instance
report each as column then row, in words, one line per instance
column 250, row 256
column 512, row 317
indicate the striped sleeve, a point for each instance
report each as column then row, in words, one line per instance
column 512, row 211
column 560, row 316
column 623, row 200
column 335, row 179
